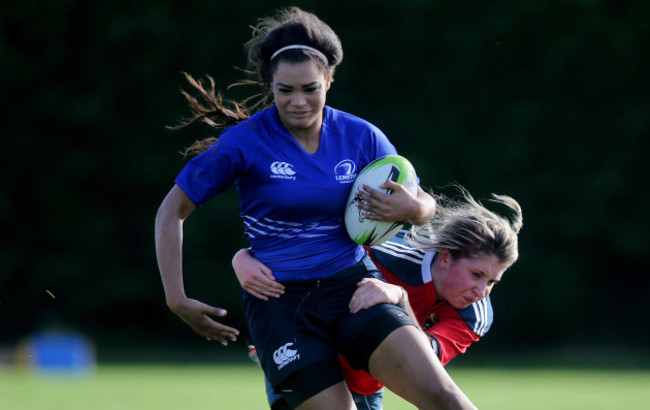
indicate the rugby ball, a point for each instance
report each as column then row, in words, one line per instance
column 369, row 232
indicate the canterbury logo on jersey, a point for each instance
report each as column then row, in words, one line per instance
column 285, row 355
column 283, row 170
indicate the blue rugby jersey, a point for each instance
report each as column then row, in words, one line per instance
column 292, row 202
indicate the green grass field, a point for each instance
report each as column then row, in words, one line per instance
column 240, row 386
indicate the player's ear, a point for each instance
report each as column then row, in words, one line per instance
column 444, row 259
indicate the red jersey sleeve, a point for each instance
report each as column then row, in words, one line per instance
column 450, row 330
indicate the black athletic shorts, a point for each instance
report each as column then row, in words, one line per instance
column 311, row 322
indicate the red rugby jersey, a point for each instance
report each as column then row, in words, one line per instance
column 453, row 329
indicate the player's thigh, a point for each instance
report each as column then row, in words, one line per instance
column 334, row 397
column 407, row 365
column 359, row 334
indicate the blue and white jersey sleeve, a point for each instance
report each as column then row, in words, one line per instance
column 214, row 170
column 478, row 316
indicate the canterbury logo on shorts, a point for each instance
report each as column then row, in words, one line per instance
column 285, row 355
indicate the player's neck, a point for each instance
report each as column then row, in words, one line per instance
column 308, row 138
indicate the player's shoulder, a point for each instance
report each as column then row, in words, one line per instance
column 401, row 259
column 344, row 123
column 478, row 316
column 258, row 125
column 250, row 135
column 399, row 249
column 334, row 116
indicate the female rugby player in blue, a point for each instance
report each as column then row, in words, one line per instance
column 448, row 269
column 293, row 165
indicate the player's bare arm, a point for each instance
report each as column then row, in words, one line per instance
column 175, row 208
column 255, row 277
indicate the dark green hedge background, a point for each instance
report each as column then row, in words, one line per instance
column 544, row 101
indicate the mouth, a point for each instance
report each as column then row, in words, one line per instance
column 468, row 300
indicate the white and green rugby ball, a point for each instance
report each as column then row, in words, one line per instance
column 389, row 168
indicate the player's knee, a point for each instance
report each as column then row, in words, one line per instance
column 436, row 395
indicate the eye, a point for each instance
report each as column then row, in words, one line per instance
column 476, row 275
column 311, row 90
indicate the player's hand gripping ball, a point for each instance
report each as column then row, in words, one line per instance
column 389, row 168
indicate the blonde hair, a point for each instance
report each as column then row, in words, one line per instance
column 466, row 229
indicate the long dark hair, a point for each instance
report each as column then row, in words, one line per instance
column 289, row 26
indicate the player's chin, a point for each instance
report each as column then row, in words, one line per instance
column 304, row 124
column 302, row 120
column 462, row 303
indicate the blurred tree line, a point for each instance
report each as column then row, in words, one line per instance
column 543, row 101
